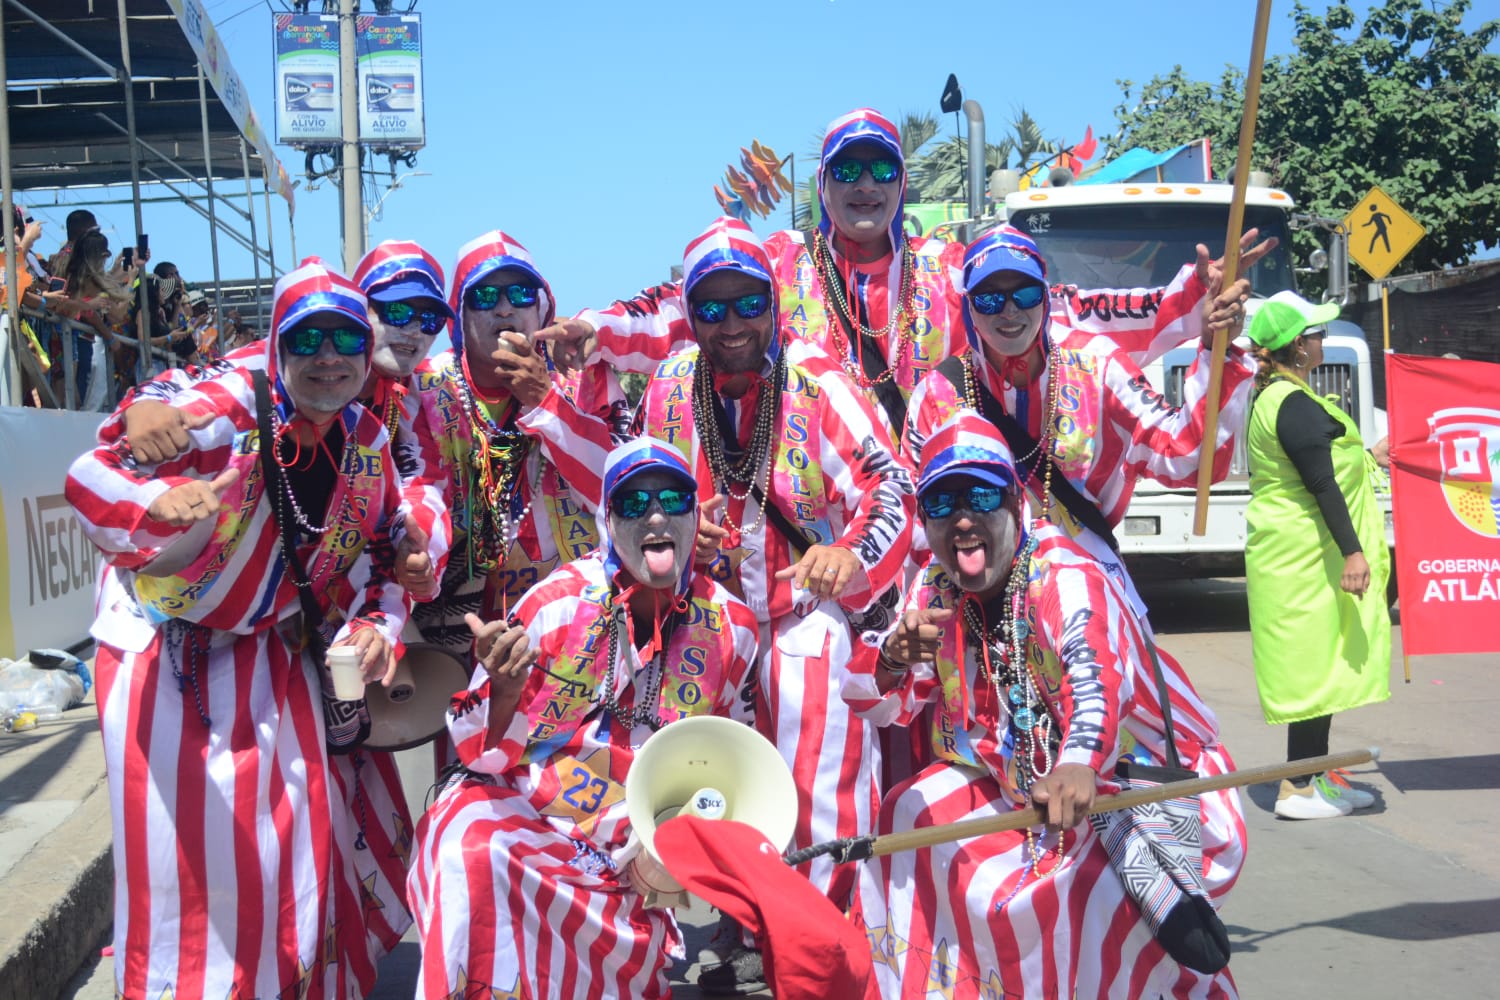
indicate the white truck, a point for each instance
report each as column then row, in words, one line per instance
column 1139, row 235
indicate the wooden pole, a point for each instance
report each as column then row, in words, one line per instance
column 1231, row 262
column 911, row 840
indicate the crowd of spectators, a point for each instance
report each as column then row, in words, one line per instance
column 87, row 299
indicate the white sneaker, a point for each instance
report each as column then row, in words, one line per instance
column 1357, row 797
column 1316, row 800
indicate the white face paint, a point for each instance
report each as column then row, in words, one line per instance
column 399, row 349
column 655, row 549
column 862, row 211
column 1012, row 331
column 483, row 327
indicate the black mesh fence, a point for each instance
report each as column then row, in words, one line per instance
column 1457, row 313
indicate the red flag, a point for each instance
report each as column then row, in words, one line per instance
column 1085, row 150
column 1445, row 482
column 809, row 949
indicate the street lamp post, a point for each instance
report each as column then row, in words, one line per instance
column 374, row 209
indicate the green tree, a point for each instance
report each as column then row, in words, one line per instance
column 941, row 172
column 1407, row 100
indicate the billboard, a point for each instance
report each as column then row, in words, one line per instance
column 307, row 78
column 389, row 51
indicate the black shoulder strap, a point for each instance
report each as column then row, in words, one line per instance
column 794, row 534
column 1088, row 515
column 271, row 472
column 1021, row 443
column 872, row 358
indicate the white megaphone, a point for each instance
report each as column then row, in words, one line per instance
column 707, row 766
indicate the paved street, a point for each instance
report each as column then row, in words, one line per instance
column 1401, row 900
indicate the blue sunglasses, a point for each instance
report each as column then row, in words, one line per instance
column 1025, row 297
column 978, row 499
column 746, row 307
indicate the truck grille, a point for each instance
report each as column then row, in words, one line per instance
column 1331, row 381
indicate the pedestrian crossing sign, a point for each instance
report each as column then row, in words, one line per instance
column 1381, row 233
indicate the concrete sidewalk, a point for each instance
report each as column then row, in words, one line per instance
column 56, row 875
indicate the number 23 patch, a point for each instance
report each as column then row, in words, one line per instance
column 584, row 789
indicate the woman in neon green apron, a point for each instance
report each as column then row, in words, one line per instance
column 1316, row 563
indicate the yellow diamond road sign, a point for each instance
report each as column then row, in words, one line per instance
column 1381, row 233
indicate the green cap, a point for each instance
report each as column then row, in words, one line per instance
column 1282, row 318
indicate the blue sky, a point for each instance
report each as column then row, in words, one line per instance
column 594, row 132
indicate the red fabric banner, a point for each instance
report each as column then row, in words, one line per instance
column 1445, row 484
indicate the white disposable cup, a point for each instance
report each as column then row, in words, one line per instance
column 348, row 676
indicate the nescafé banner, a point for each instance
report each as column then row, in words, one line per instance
column 307, row 78
column 50, row 569
column 1445, row 483
column 389, row 50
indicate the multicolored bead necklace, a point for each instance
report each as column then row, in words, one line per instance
column 832, row 285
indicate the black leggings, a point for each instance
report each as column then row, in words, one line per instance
column 1308, row 738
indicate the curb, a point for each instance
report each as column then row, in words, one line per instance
column 59, row 902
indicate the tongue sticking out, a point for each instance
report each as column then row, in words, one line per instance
column 971, row 561
column 660, row 559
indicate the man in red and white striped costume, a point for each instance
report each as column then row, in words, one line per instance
column 1036, row 672
column 520, row 885
column 1079, row 391
column 886, row 306
column 243, row 858
column 402, row 281
column 814, row 510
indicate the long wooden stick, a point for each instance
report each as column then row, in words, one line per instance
column 1231, row 263
column 911, row 840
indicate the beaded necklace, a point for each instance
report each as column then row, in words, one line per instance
column 711, row 435
column 832, row 285
column 1042, row 450
column 644, row 711
column 348, row 464
column 499, row 454
column 1004, row 666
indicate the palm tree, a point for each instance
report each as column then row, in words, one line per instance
column 940, row 174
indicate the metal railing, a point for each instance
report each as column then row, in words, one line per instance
column 44, row 324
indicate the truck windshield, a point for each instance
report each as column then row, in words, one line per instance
column 1143, row 245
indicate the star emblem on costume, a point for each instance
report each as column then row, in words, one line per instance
column 886, row 946
column 401, row 842
column 331, row 941
column 367, row 894
column 992, row 988
column 301, row 986
column 585, row 789
column 166, row 994
column 941, row 974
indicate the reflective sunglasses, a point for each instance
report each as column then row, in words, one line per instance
column 305, row 341
column 884, row 171
column 1025, row 297
column 746, row 307
column 402, row 313
column 631, row 504
column 488, row 296
column 1318, row 333
column 979, row 499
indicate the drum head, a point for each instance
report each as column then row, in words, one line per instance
column 437, row 676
